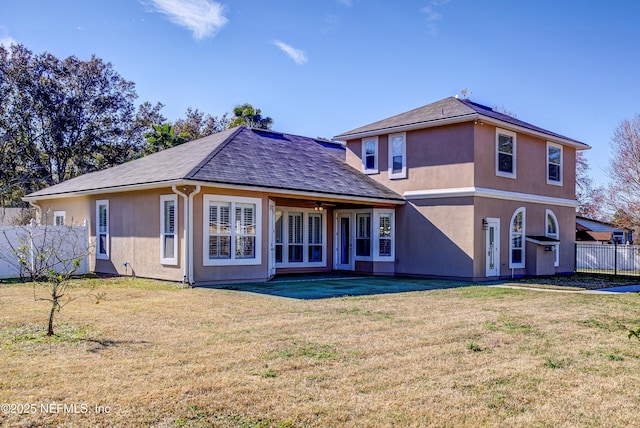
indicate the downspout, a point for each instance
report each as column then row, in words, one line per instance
column 185, row 235
column 38, row 209
column 188, row 194
column 191, row 195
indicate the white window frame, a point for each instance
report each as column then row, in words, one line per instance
column 376, row 238
column 548, row 213
column 373, row 170
column 168, row 260
column 102, row 255
column 232, row 261
column 306, row 212
column 555, row 146
column 356, row 237
column 62, row 215
column 523, row 234
column 403, row 171
column 511, row 134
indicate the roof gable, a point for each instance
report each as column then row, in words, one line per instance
column 448, row 110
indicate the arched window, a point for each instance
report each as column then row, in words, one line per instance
column 516, row 238
column 552, row 231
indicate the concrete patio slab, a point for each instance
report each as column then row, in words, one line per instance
column 309, row 287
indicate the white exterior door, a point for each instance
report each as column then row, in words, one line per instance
column 493, row 246
column 343, row 259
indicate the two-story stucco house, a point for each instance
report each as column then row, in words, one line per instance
column 451, row 189
column 487, row 195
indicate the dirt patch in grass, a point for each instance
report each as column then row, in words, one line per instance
column 579, row 281
column 152, row 354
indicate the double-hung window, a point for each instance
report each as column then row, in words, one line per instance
column 232, row 230
column 168, row 229
column 102, row 229
column 296, row 243
column 517, row 241
column 554, row 164
column 505, row 153
column 59, row 218
column 384, row 226
column 300, row 237
column 363, row 235
column 397, row 156
column 370, row 155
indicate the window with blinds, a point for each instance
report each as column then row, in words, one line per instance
column 168, row 232
column 232, row 233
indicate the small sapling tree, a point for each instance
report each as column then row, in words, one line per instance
column 49, row 256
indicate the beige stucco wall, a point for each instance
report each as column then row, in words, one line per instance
column 437, row 158
column 435, row 237
column 531, row 165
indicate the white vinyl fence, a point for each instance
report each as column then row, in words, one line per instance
column 51, row 246
column 617, row 259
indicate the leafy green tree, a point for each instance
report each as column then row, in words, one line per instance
column 163, row 137
column 60, row 118
column 248, row 115
column 197, row 124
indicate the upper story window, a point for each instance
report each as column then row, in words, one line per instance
column 552, row 231
column 516, row 239
column 554, row 163
column 232, row 230
column 168, row 229
column 397, row 155
column 102, row 229
column 505, row 153
column 370, row 155
column 59, row 218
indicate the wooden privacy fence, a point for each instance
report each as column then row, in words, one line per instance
column 60, row 245
column 613, row 259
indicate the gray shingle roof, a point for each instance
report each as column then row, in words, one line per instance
column 240, row 156
column 448, row 108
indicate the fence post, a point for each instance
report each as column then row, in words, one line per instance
column 615, row 258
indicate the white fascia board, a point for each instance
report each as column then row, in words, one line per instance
column 159, row 185
column 405, row 128
column 480, row 192
column 522, row 129
column 545, row 243
column 102, row 191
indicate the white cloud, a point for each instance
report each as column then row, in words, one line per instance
column 203, row 18
column 5, row 39
column 297, row 55
column 432, row 15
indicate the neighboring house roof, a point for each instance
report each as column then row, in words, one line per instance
column 587, row 224
column 446, row 111
column 600, row 236
column 239, row 157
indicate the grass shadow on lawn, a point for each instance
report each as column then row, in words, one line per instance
column 311, row 287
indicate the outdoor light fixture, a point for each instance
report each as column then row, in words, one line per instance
column 485, row 225
column 318, row 207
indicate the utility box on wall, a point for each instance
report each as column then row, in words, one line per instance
column 541, row 256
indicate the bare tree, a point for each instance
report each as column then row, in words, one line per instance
column 624, row 171
column 49, row 256
column 591, row 198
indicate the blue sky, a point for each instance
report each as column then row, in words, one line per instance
column 323, row 67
